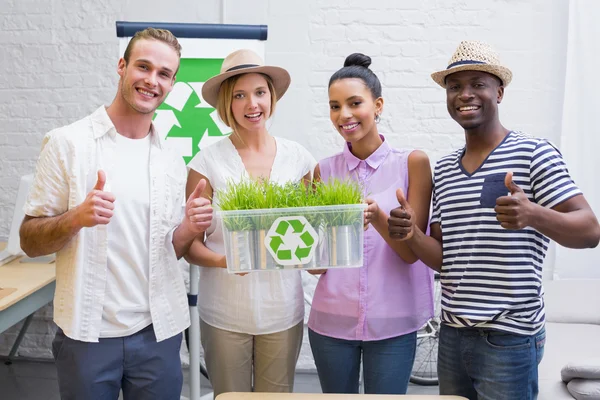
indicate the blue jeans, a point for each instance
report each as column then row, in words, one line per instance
column 144, row 368
column 386, row 363
column 482, row 364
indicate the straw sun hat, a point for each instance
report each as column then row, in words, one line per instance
column 474, row 56
column 243, row 62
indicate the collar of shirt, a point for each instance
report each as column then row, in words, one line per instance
column 374, row 160
column 102, row 125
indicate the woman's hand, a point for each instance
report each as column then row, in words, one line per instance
column 370, row 212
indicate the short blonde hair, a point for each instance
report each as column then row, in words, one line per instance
column 225, row 100
column 162, row 35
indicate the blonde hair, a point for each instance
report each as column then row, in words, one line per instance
column 162, row 35
column 225, row 99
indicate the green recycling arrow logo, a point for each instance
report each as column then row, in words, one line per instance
column 291, row 241
column 185, row 119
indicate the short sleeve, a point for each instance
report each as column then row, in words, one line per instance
column 309, row 161
column 49, row 193
column 551, row 183
column 200, row 163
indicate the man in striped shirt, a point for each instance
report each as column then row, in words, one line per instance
column 496, row 203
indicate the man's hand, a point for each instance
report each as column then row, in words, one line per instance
column 370, row 212
column 402, row 219
column 198, row 210
column 515, row 210
column 97, row 208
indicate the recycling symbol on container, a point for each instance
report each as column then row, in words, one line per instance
column 291, row 241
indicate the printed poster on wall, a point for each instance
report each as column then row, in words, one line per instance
column 185, row 120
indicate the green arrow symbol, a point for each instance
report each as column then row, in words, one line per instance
column 297, row 225
column 282, row 228
column 307, row 238
column 196, row 120
column 302, row 252
column 276, row 241
column 284, row 254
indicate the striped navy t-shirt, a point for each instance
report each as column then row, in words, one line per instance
column 492, row 277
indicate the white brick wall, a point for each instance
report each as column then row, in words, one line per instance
column 58, row 63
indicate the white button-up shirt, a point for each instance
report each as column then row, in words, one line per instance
column 66, row 172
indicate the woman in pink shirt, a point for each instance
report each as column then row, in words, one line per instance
column 375, row 310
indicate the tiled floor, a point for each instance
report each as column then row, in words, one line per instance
column 24, row 380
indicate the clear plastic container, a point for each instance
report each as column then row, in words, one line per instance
column 293, row 238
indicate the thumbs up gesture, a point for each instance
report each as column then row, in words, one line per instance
column 97, row 208
column 402, row 219
column 198, row 210
column 514, row 210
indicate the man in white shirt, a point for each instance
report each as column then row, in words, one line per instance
column 107, row 197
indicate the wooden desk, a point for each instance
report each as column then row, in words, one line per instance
column 321, row 396
column 34, row 284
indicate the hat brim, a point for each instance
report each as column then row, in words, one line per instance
column 280, row 77
column 501, row 72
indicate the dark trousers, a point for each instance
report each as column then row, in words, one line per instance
column 137, row 364
column 482, row 364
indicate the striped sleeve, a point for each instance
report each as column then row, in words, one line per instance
column 435, row 214
column 550, row 180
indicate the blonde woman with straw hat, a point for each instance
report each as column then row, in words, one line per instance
column 497, row 202
column 251, row 326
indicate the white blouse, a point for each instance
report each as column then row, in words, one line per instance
column 260, row 302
